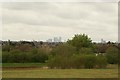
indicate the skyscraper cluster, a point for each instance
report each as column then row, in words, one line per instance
column 55, row 39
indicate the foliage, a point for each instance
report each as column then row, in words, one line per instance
column 80, row 40
column 24, row 47
column 86, row 51
column 60, row 62
column 102, row 48
column 6, row 48
column 5, row 57
column 90, row 61
column 61, row 56
column 65, row 50
column 112, row 55
column 79, row 52
column 40, row 57
column 17, row 56
column 101, row 61
column 78, row 61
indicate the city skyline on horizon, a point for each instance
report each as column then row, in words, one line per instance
column 52, row 40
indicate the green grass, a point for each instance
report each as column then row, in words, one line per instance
column 113, row 66
column 23, row 64
column 34, row 70
column 59, row 73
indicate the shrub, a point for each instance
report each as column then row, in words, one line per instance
column 64, row 50
column 5, row 57
column 78, row 61
column 101, row 61
column 55, row 62
column 38, row 56
column 6, row 48
column 17, row 56
column 60, row 62
column 112, row 55
column 90, row 61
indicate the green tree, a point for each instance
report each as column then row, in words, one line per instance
column 80, row 40
column 86, row 51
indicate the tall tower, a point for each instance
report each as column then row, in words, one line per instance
column 60, row 39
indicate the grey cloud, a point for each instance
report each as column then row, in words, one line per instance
column 45, row 20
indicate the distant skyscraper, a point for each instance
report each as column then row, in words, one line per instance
column 103, row 41
column 60, row 39
column 49, row 40
column 57, row 39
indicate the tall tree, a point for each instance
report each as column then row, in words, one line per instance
column 80, row 40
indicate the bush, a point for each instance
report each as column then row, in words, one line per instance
column 90, row 61
column 101, row 61
column 5, row 57
column 17, row 56
column 6, row 48
column 61, row 56
column 64, row 50
column 78, row 61
column 112, row 55
column 56, row 62
column 38, row 56
column 60, row 62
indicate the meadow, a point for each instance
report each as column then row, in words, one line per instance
column 59, row 73
column 23, row 71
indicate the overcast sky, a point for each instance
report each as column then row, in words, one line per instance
column 44, row 20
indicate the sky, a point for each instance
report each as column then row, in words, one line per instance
column 45, row 20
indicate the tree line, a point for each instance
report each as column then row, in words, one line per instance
column 79, row 52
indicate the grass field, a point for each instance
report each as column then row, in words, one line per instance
column 59, row 73
column 34, row 70
column 23, row 65
column 38, row 65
